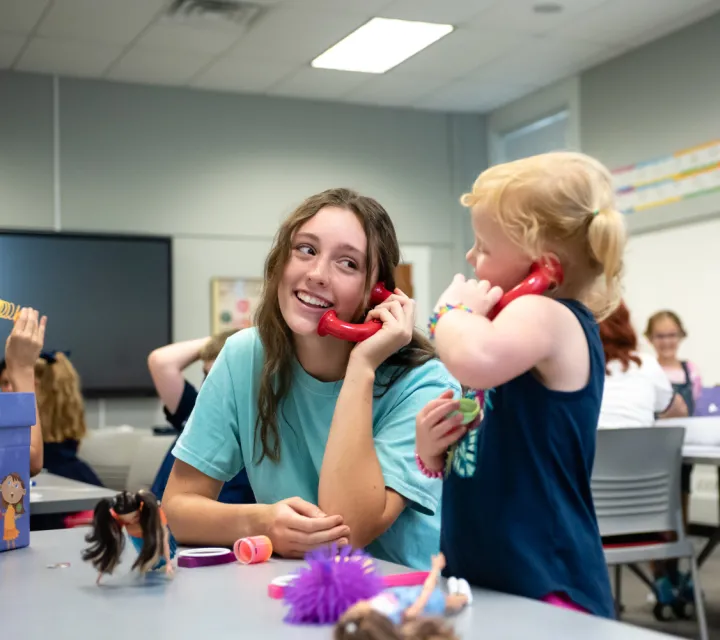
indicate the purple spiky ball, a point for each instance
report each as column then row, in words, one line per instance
column 333, row 581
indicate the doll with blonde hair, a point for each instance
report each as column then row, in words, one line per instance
column 517, row 508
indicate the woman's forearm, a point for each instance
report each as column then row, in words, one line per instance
column 195, row 519
column 351, row 478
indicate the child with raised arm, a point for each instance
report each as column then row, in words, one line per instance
column 22, row 350
column 517, row 508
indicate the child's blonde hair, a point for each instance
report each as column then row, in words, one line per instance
column 60, row 401
column 561, row 202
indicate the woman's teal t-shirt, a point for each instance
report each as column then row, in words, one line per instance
column 218, row 440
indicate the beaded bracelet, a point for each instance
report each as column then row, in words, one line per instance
column 428, row 473
column 441, row 312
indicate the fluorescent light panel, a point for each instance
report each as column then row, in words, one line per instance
column 380, row 45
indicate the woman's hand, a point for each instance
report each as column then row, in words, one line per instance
column 480, row 296
column 297, row 526
column 397, row 314
column 435, row 431
column 24, row 343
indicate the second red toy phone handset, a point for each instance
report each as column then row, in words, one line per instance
column 331, row 325
column 543, row 275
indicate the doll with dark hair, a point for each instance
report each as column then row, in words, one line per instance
column 402, row 613
column 146, row 525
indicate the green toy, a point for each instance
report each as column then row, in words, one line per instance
column 469, row 408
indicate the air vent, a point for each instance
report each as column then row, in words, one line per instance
column 210, row 12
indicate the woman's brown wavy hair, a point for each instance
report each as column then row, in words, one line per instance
column 276, row 337
column 60, row 401
column 619, row 338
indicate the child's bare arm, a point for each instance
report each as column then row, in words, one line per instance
column 489, row 353
column 22, row 350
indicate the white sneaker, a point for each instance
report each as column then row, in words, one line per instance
column 452, row 586
column 463, row 588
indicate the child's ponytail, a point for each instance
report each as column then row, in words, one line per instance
column 607, row 237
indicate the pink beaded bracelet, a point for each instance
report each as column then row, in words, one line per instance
column 428, row 473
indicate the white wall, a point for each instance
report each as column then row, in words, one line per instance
column 654, row 101
column 678, row 269
column 218, row 172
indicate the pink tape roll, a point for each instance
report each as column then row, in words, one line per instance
column 253, row 550
column 276, row 589
column 205, row 557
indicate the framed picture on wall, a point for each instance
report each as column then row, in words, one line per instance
column 233, row 302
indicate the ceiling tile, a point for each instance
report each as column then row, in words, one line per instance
column 245, row 75
column 444, row 11
column 321, row 84
column 10, row 45
column 539, row 61
column 392, row 89
column 69, row 57
column 158, row 67
column 20, row 16
column 460, row 52
column 367, row 7
column 473, row 97
column 107, row 21
column 179, row 37
column 294, row 35
column 518, row 15
column 619, row 21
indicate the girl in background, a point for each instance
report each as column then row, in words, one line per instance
column 62, row 415
column 665, row 331
column 517, row 508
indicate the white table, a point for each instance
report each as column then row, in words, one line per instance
column 225, row 602
column 55, row 494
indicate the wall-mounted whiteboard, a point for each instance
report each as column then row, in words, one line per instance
column 679, row 269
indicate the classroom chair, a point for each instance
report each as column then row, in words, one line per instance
column 636, row 490
column 150, row 453
column 110, row 452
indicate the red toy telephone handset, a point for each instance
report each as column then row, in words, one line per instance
column 331, row 325
column 543, row 276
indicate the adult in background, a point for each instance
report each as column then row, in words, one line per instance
column 167, row 366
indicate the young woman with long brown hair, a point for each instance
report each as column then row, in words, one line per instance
column 324, row 427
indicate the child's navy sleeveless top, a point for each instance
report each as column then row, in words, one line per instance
column 517, row 510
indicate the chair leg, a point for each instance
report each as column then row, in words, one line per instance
column 618, row 591
column 699, row 604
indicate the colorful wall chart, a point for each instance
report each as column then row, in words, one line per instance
column 685, row 174
column 233, row 302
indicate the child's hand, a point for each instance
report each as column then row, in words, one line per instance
column 25, row 342
column 481, row 297
column 435, row 431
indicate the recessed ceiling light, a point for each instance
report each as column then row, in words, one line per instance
column 547, row 7
column 380, row 45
